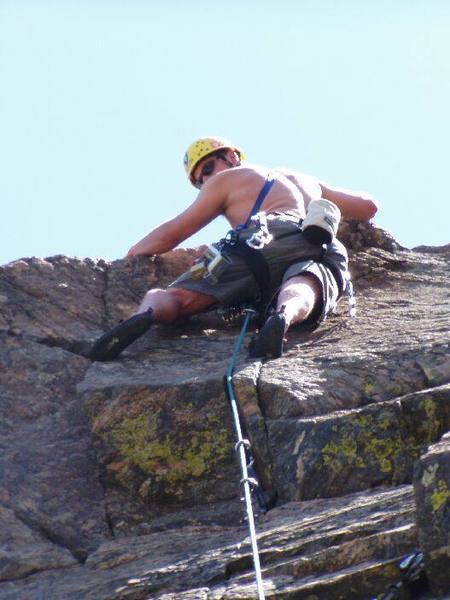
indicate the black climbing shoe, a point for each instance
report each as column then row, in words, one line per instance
column 269, row 343
column 112, row 343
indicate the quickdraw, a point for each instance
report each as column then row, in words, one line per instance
column 262, row 236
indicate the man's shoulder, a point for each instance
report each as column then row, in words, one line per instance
column 287, row 172
column 309, row 185
column 247, row 171
column 239, row 176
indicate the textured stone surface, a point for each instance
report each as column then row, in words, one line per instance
column 351, row 450
column 426, row 417
column 57, row 300
column 48, row 472
column 23, row 550
column 162, row 432
column 432, row 493
column 354, row 542
column 354, row 450
column 119, row 481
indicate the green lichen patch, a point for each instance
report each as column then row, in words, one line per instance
column 168, row 457
column 338, row 453
column 441, row 496
column 368, row 388
column 425, row 417
column 363, row 442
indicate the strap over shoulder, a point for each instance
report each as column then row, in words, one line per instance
column 259, row 200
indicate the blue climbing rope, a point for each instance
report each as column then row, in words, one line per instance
column 248, row 483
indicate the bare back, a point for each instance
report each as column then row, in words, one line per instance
column 239, row 187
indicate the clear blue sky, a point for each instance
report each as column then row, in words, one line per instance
column 99, row 99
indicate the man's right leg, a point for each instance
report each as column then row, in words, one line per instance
column 163, row 306
column 298, row 297
column 168, row 305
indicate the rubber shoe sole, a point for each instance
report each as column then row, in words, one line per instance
column 112, row 343
column 269, row 343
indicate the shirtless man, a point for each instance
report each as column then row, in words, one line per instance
column 306, row 279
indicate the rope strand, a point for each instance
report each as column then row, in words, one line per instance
column 241, row 445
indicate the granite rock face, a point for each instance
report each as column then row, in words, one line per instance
column 432, row 491
column 119, row 480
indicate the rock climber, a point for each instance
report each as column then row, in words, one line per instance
column 281, row 250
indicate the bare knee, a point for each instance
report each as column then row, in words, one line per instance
column 168, row 305
column 303, row 287
column 299, row 296
column 165, row 307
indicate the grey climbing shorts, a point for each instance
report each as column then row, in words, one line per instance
column 289, row 254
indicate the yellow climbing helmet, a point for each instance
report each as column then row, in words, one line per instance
column 203, row 147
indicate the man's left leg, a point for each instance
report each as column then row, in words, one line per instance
column 168, row 305
column 298, row 298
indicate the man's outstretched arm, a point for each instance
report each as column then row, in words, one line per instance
column 207, row 206
column 353, row 205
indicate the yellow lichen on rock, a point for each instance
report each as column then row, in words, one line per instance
column 440, row 496
column 360, row 445
column 342, row 452
column 368, row 388
column 167, row 457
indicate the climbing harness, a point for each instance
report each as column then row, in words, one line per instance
column 249, row 250
column 413, row 579
column 215, row 260
column 249, row 483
